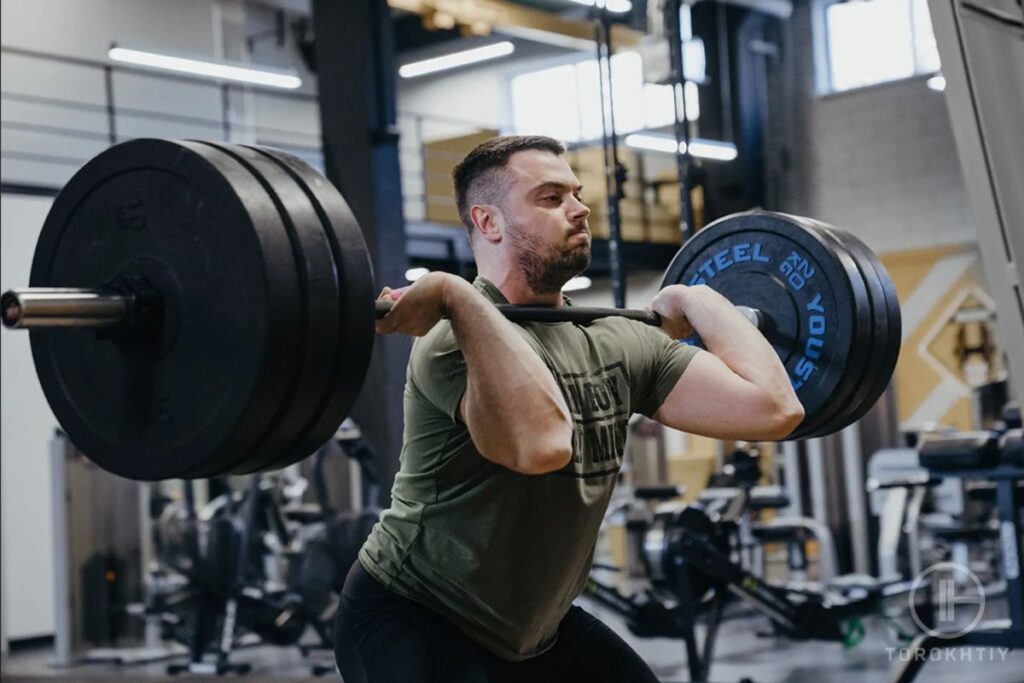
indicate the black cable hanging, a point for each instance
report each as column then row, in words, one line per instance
column 614, row 171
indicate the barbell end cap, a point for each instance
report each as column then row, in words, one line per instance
column 11, row 310
column 754, row 315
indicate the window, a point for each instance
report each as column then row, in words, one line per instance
column 564, row 101
column 873, row 41
column 536, row 109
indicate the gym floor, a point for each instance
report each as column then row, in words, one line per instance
column 741, row 653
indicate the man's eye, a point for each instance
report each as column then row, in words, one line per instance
column 552, row 198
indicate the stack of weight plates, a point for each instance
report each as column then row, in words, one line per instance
column 267, row 298
column 830, row 308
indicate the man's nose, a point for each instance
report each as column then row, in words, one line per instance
column 577, row 209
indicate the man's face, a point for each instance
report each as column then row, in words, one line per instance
column 545, row 219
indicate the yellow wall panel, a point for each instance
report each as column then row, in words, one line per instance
column 931, row 384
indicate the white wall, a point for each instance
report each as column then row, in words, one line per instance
column 474, row 96
column 879, row 162
column 886, row 167
column 85, row 28
column 205, row 29
column 26, row 425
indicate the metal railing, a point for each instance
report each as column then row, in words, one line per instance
column 39, row 135
column 42, row 137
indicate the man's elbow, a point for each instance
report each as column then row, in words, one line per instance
column 546, row 454
column 786, row 418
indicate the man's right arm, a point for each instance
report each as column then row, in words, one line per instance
column 512, row 406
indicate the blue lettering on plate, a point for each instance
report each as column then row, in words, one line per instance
column 726, row 258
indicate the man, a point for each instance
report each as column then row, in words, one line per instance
column 514, row 436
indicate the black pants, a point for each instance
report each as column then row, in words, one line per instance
column 382, row 637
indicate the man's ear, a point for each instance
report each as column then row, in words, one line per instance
column 488, row 222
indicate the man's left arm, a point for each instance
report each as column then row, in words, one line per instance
column 738, row 388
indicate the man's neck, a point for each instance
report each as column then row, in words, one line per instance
column 513, row 285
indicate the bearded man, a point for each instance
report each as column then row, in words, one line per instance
column 514, row 435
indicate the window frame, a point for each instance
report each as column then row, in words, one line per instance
column 821, row 44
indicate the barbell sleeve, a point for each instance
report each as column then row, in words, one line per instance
column 38, row 307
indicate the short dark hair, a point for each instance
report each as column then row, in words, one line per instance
column 478, row 177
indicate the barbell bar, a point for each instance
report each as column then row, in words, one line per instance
column 40, row 307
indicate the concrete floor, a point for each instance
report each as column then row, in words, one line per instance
column 740, row 653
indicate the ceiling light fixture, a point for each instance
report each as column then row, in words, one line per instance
column 711, row 149
column 222, row 70
column 456, row 59
column 703, row 149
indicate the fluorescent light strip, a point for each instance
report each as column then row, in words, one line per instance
column 711, row 149
column 704, row 149
column 618, row 6
column 227, row 72
column 937, row 82
column 651, row 143
column 577, row 283
column 456, row 59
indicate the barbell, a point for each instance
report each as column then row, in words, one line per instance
column 199, row 309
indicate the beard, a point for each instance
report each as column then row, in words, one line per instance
column 546, row 267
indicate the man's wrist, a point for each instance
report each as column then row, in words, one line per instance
column 453, row 290
column 680, row 299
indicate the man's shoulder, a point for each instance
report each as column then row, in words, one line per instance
column 436, row 355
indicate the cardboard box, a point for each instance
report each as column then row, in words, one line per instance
column 439, row 158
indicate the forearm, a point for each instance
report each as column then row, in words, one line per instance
column 727, row 334
column 513, row 407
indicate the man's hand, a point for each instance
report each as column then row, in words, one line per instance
column 670, row 304
column 419, row 306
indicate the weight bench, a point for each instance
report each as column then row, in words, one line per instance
column 987, row 456
column 767, row 498
column 795, row 532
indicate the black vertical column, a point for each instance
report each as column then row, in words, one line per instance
column 356, row 82
column 681, row 128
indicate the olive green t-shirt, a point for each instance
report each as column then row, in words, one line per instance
column 502, row 554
